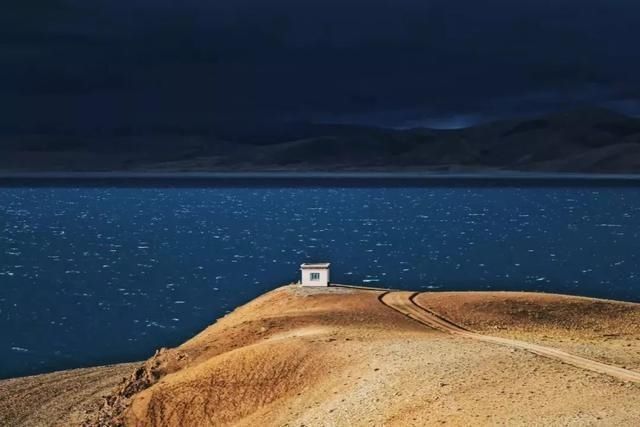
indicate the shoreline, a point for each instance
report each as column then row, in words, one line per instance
column 315, row 179
column 314, row 338
column 338, row 288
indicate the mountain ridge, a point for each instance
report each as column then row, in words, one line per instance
column 587, row 140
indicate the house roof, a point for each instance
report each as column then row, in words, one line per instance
column 316, row 265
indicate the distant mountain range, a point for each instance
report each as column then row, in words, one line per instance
column 589, row 140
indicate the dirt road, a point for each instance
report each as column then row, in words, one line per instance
column 404, row 303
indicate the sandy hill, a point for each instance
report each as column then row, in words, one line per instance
column 341, row 356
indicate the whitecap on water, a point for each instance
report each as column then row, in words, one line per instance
column 155, row 325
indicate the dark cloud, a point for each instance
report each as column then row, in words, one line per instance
column 198, row 62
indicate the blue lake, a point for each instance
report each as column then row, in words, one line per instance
column 101, row 275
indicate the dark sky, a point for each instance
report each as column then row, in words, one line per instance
column 70, row 64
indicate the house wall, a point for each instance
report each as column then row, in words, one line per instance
column 306, row 277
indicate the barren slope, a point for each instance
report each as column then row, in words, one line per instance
column 338, row 356
column 607, row 331
column 60, row 399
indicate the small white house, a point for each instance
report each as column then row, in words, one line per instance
column 315, row 274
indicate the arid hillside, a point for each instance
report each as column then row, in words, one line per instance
column 59, row 399
column 340, row 356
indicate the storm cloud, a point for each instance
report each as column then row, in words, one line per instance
column 70, row 64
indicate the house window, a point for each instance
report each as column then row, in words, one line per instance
column 315, row 276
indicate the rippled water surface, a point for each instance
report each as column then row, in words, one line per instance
column 92, row 276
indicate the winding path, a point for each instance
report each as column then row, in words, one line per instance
column 404, row 303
